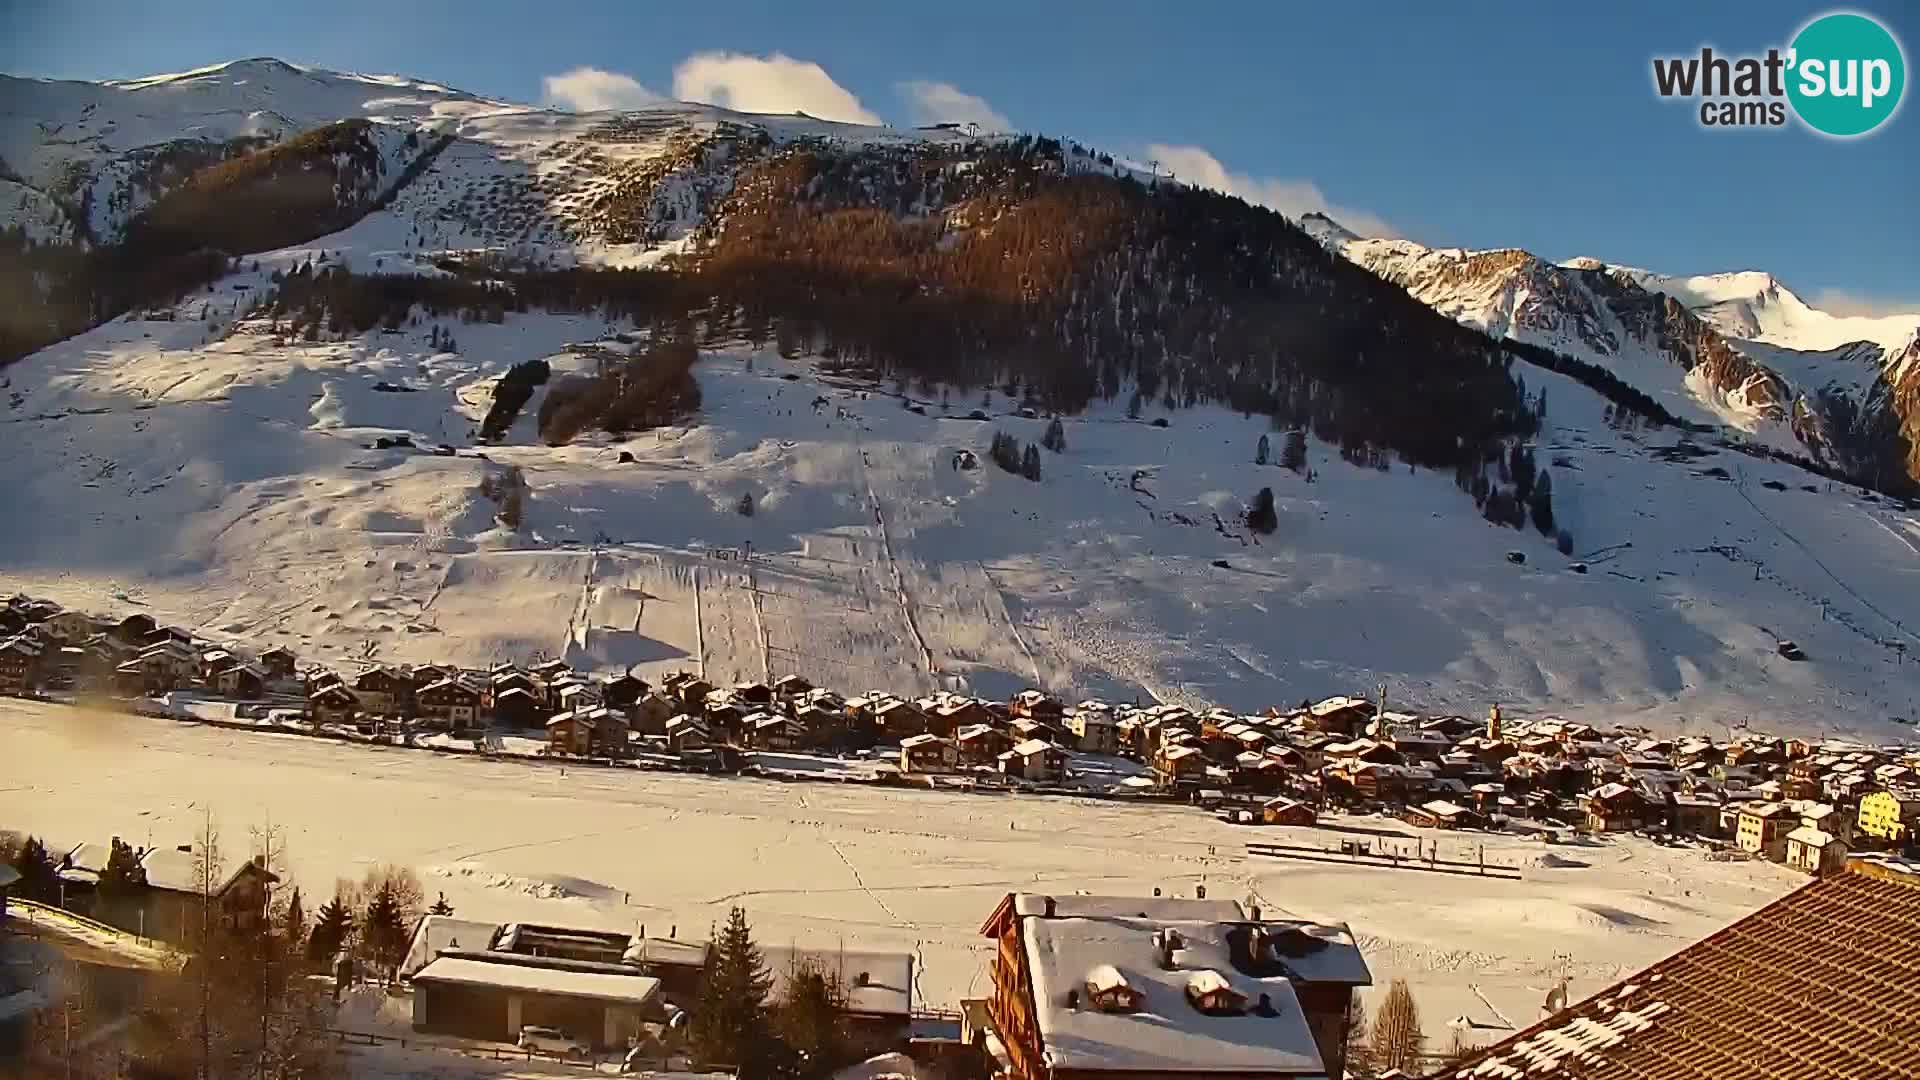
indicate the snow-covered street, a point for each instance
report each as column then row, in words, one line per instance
column 824, row 863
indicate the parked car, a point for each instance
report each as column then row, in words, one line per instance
column 548, row 1040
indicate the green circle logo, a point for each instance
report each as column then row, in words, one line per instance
column 1847, row 74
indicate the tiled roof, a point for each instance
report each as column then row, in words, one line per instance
column 1822, row 984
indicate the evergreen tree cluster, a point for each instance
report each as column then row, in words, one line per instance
column 1014, row 457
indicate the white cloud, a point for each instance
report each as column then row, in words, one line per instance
column 589, row 89
column 1294, row 198
column 945, row 103
column 767, row 84
column 1845, row 302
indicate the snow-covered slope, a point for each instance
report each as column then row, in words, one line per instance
column 199, row 467
column 107, row 147
column 218, row 478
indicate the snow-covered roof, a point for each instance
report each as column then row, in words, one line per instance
column 1812, row 837
column 442, row 933
column 1031, row 747
column 596, row 985
column 1166, row 1034
column 1079, row 906
column 174, row 870
column 877, row 983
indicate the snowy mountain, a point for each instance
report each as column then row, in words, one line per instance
column 1754, row 306
column 1739, row 350
column 283, row 441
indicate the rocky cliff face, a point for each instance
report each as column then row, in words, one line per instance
column 1843, row 407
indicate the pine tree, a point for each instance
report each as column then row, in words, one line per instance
column 1542, row 504
column 811, row 1020
column 39, row 877
column 385, row 932
column 294, row 925
column 1261, row 517
column 1133, row 406
column 728, row 1021
column 745, row 505
column 331, row 930
column 1056, row 437
column 1261, row 451
column 440, row 906
column 1397, row 1039
column 1294, row 454
column 1030, row 463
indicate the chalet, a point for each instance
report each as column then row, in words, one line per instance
column 1094, row 730
column 279, row 662
column 452, row 703
column 1282, row 811
column 572, row 692
column 1815, row 851
column 824, row 726
column 171, row 903
column 334, row 705
column 550, row 670
column 1763, row 828
column 1693, row 815
column 516, row 707
column 928, row 753
column 623, row 691
column 1441, row 814
column 68, row 626
column 753, row 694
column 1383, row 781
column 1112, row 988
column 687, row 689
column 1753, row 1000
column 134, row 629
column 241, row 681
column 19, row 664
column 899, row 719
column 1613, row 808
column 1363, row 750
column 1034, row 760
column 688, row 732
column 594, row 730
column 791, row 686
column 951, row 715
column 650, row 714
column 980, row 744
column 776, row 731
column 1179, row 765
column 384, row 691
column 171, row 662
column 1035, row 705
column 501, row 680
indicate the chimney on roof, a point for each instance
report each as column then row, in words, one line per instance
column 1050, row 908
column 1073, row 1000
column 863, row 979
column 1256, row 913
column 1156, row 890
column 1199, row 892
column 1265, row 1008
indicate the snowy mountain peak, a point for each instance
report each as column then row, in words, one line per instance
column 1331, row 234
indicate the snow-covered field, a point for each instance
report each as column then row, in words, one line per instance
column 229, row 483
column 819, row 864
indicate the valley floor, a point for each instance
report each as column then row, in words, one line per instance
column 821, row 864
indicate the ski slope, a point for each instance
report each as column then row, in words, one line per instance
column 218, row 479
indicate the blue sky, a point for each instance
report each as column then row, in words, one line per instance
column 1490, row 124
